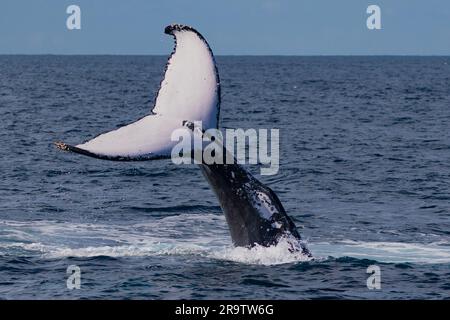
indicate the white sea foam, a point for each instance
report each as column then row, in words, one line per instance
column 273, row 255
column 191, row 235
column 393, row 252
column 166, row 236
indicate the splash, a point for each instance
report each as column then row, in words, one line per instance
column 273, row 255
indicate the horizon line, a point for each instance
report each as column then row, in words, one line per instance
column 229, row 55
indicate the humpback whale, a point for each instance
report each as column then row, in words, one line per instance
column 190, row 92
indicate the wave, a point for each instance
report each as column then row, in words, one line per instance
column 190, row 234
column 273, row 255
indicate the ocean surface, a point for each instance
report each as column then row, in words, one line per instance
column 365, row 174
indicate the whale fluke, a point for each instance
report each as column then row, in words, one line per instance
column 190, row 90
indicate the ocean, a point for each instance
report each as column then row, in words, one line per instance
column 364, row 173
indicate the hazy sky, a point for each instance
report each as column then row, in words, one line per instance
column 265, row 27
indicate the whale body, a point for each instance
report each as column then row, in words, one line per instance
column 190, row 92
column 254, row 214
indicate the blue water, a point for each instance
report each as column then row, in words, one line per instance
column 365, row 174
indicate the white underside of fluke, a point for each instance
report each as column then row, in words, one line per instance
column 146, row 138
column 189, row 91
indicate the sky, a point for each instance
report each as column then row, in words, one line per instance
column 232, row 27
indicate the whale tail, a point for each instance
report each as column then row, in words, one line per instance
column 190, row 90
